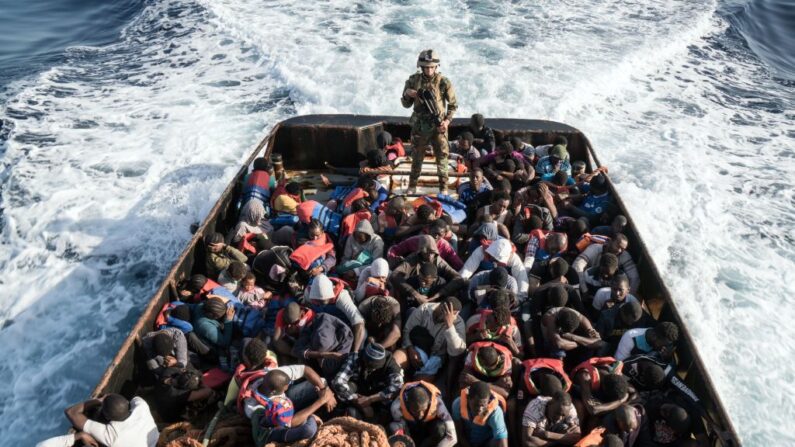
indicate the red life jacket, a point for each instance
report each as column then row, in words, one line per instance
column 481, row 324
column 245, row 245
column 436, row 395
column 542, row 236
column 162, row 319
column 245, row 380
column 282, row 190
column 375, row 287
column 495, row 400
column 309, row 252
column 587, row 239
column 356, row 194
column 505, row 353
column 258, row 184
column 201, row 294
column 350, row 221
column 396, row 148
column 592, row 366
column 554, row 365
column 432, row 202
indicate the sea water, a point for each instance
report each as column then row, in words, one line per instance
column 122, row 124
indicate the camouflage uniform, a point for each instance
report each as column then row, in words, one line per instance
column 423, row 129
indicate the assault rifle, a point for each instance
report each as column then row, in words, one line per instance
column 428, row 99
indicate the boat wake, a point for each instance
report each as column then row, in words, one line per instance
column 112, row 154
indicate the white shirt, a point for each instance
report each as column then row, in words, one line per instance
column 603, row 295
column 514, row 265
column 138, row 430
column 627, row 343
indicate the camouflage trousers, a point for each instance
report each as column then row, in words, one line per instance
column 441, row 150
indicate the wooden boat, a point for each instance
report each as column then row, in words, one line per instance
column 308, row 142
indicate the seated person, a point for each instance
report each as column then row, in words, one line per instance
column 616, row 227
column 615, row 321
column 617, row 246
column 496, row 324
column 542, row 247
column 372, row 280
column 600, row 388
column 331, row 297
column 479, row 415
column 615, row 295
column 477, row 185
column 368, row 381
column 176, row 389
column 596, row 205
column 311, row 210
column 557, row 160
column 122, row 423
column 289, row 322
column 482, row 283
column 671, row 423
column 427, row 251
column 250, row 234
column 491, row 363
column 483, row 136
column 164, row 349
column 361, row 249
column 382, row 320
column 419, row 413
column 423, row 216
column 437, row 231
column 259, row 183
column 315, row 254
column 272, row 268
column 568, row 334
column 501, row 164
column 542, row 377
column 661, row 338
column 550, row 420
column 444, row 326
column 499, row 211
column 213, row 323
column 232, row 275
column 323, row 343
column 220, row 255
column 531, row 201
column 499, row 253
column 462, row 149
column 533, row 154
column 250, row 294
column 392, row 218
column 598, row 276
column 273, row 416
column 286, row 199
column 631, row 423
column 485, row 233
column 424, row 287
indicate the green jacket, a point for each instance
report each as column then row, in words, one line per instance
column 443, row 90
column 218, row 262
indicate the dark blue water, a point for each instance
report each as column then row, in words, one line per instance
column 35, row 33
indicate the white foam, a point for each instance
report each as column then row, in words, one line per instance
column 112, row 202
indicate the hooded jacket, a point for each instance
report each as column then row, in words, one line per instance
column 374, row 245
column 502, row 252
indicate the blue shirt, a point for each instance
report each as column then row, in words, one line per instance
column 545, row 166
column 480, row 434
column 595, row 205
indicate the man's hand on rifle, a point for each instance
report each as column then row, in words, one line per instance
column 411, row 93
column 443, row 126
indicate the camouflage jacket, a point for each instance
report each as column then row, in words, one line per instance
column 442, row 89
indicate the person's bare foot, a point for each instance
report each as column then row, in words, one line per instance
column 325, row 180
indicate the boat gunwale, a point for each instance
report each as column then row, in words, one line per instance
column 728, row 436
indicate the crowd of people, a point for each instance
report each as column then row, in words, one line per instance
column 504, row 314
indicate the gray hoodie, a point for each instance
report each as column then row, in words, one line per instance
column 374, row 244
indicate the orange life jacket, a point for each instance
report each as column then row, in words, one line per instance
column 436, row 395
column 209, row 285
column 356, row 194
column 481, row 324
column 592, row 439
column 245, row 245
column 505, row 353
column 554, row 365
column 309, row 252
column 162, row 319
column 245, row 380
column 496, row 400
column 542, row 236
column 587, row 239
column 592, row 366
column 396, row 147
column 430, row 201
column 350, row 221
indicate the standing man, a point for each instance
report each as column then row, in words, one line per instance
column 428, row 128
